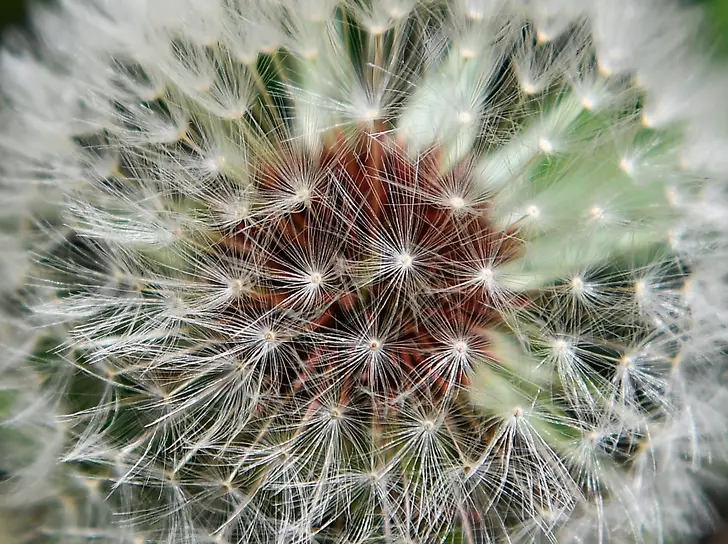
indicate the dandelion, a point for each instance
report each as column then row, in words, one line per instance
column 287, row 271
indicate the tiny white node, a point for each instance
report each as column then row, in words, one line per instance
column 216, row 164
column 315, row 279
column 626, row 362
column 176, row 135
column 460, row 347
column 542, row 37
column 604, row 67
column 560, row 346
column 597, row 213
column 529, row 87
column 235, row 211
column 517, row 412
column 269, row 336
column 177, row 307
column 467, row 52
column 577, row 285
column 533, row 212
column 475, row 14
column 405, row 260
column 588, row 102
column 227, row 484
column 457, row 202
column 377, row 29
column 546, row 145
column 238, row 286
column 309, row 54
column 248, row 58
column 303, row 194
column 234, row 113
column 626, row 165
column 317, row 17
column 371, row 114
column 155, row 94
column 593, row 437
column 428, row 425
column 374, row 345
column 647, row 120
column 465, row 117
column 486, row 275
column 640, row 289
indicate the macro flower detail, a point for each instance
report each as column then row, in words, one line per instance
column 361, row 271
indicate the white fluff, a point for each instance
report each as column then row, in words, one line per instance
column 205, row 368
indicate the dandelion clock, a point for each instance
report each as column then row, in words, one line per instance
column 362, row 271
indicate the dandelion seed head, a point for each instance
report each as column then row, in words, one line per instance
column 412, row 271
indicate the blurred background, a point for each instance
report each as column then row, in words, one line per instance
column 14, row 13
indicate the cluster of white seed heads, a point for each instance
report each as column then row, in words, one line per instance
column 361, row 271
